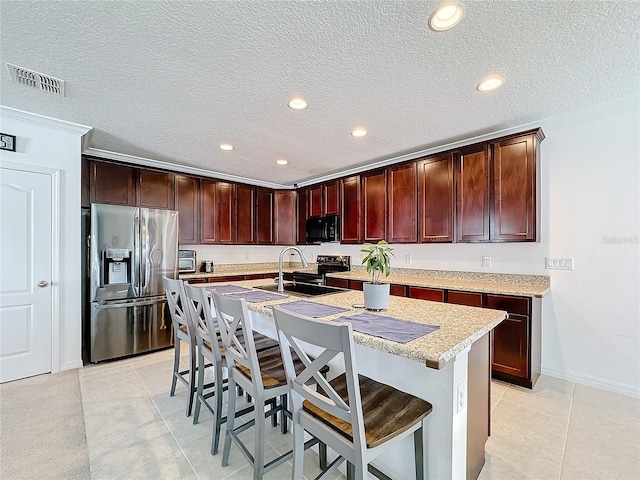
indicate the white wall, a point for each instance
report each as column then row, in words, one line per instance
column 590, row 181
column 56, row 146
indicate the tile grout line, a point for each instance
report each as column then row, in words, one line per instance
column 166, row 425
column 566, row 435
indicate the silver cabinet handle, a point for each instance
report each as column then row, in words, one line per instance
column 43, row 283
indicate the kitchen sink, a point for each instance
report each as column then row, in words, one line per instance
column 304, row 289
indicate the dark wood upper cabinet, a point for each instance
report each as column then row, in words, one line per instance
column 264, row 215
column 435, row 199
column 208, row 210
column 85, row 182
column 284, row 202
column 514, row 189
column 331, row 198
column 315, row 201
column 112, row 183
column 403, row 203
column 225, row 212
column 472, row 191
column 245, row 214
column 156, row 189
column 302, row 213
column 350, row 202
column 374, row 206
column 187, row 203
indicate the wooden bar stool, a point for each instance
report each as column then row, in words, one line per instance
column 210, row 349
column 259, row 373
column 356, row 416
column 182, row 332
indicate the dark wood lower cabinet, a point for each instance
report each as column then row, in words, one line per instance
column 338, row 282
column 515, row 343
column 423, row 293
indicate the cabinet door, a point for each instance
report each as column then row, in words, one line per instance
column 302, row 213
column 514, row 190
column 350, row 229
column 435, row 199
column 285, row 217
column 208, row 210
column 374, row 206
column 245, row 214
column 403, row 203
column 511, row 346
column 225, row 212
column 264, row 215
column 112, row 183
column 473, row 195
column 331, row 198
column 315, row 201
column 156, row 189
column 187, row 203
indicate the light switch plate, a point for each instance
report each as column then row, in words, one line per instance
column 486, row 261
column 559, row 263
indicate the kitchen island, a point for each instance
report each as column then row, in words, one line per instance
column 434, row 367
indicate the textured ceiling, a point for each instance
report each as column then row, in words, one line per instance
column 171, row 80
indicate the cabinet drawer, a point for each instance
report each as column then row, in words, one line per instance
column 398, row 290
column 521, row 305
column 470, row 299
column 433, row 294
column 254, row 276
column 230, row 278
column 338, row 282
column 355, row 284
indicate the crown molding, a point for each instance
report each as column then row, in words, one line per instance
column 163, row 165
column 47, row 122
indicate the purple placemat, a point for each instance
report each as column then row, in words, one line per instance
column 256, row 296
column 311, row 309
column 389, row 328
column 221, row 289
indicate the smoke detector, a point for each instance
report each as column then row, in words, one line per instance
column 30, row 78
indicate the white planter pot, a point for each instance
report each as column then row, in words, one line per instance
column 376, row 296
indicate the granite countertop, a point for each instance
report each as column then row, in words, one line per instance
column 460, row 326
column 499, row 283
column 505, row 284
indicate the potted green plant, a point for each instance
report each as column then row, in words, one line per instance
column 377, row 261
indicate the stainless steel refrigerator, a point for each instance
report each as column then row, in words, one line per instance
column 130, row 250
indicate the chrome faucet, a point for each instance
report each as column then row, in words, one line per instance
column 280, row 274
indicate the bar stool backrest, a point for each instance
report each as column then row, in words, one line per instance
column 334, row 339
column 237, row 335
column 177, row 301
column 204, row 322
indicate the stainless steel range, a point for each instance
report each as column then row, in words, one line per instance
column 326, row 264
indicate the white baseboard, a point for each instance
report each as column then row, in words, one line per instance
column 71, row 365
column 593, row 382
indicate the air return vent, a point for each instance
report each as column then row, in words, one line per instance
column 37, row 80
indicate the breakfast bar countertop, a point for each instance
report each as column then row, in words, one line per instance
column 460, row 326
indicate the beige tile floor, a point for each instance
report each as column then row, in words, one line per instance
column 560, row 430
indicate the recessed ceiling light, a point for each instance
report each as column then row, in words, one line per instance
column 492, row 82
column 226, row 146
column 359, row 132
column 297, row 104
column 446, row 16
column 282, row 161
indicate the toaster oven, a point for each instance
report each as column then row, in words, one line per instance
column 186, row 261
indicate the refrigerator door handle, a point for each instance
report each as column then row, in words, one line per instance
column 144, row 251
column 132, row 304
column 135, row 281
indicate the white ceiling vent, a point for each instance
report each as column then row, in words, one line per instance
column 27, row 77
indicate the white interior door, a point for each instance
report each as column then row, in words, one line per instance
column 25, row 274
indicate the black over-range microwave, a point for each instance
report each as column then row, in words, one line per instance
column 323, row 229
